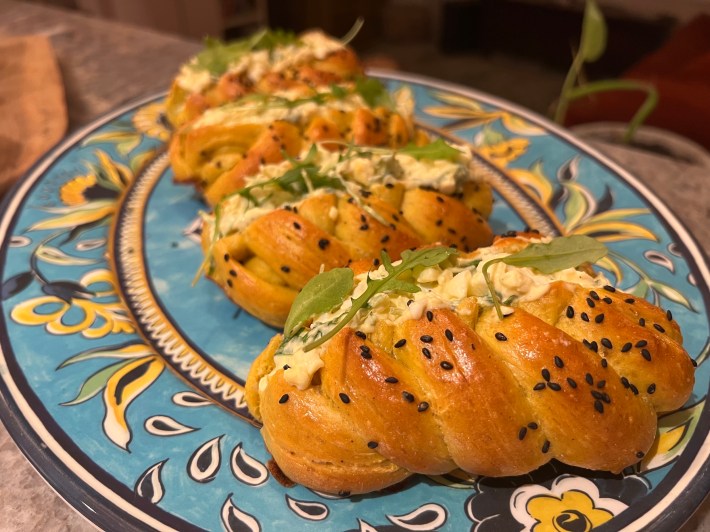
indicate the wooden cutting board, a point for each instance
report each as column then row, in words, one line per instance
column 33, row 114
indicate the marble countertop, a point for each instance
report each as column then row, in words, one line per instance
column 105, row 64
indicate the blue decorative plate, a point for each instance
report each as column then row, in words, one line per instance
column 122, row 382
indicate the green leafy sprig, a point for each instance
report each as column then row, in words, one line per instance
column 315, row 299
column 558, row 254
column 437, row 150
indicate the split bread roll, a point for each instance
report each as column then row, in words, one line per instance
column 576, row 371
column 218, row 151
column 265, row 62
column 265, row 244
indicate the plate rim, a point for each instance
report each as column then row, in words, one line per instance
column 22, row 431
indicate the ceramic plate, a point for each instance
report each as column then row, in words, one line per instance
column 122, row 383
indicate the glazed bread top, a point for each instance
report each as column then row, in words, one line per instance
column 431, row 380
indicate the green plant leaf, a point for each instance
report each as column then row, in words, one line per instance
column 436, row 150
column 322, row 293
column 410, row 260
column 558, row 254
column 373, row 92
column 593, row 41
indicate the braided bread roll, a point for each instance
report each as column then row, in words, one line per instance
column 312, row 60
column 455, row 386
column 221, row 149
column 263, row 266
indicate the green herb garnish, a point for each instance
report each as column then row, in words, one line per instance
column 558, row 254
column 436, row 150
column 304, row 176
column 320, row 294
column 373, row 92
column 218, row 55
column 391, row 282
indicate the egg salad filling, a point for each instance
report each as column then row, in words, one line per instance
column 445, row 285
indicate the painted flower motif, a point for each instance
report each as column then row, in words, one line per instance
column 89, row 199
column 505, row 151
column 555, row 497
column 466, row 112
column 90, row 307
column 150, row 120
column 572, row 503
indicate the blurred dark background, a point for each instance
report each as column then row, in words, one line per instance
column 516, row 49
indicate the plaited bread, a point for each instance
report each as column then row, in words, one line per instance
column 459, row 387
column 301, row 74
column 219, row 155
column 263, row 267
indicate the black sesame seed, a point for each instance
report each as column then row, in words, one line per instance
column 365, row 352
column 629, row 300
column 426, row 352
column 408, row 397
column 571, row 382
column 584, row 316
column 609, row 288
column 601, row 384
column 554, row 386
column 607, row 300
column 627, row 347
column 423, row 406
column 599, row 406
column 599, row 318
column 641, row 343
column 539, row 386
column 532, row 425
column 285, row 269
column 449, row 335
column 605, row 363
column 558, row 362
column 646, row 354
column 594, row 295
column 439, row 222
column 545, row 447
column 651, row 388
column 669, row 315
column 625, row 382
column 521, row 434
column 296, row 225
column 391, row 380
column 440, row 199
column 446, row 365
column 283, row 398
column 364, row 227
column 642, row 322
column 546, row 374
column 323, row 243
column 597, row 395
column 232, row 273
column 606, row 343
column 640, row 454
column 230, row 283
column 501, row 337
column 588, row 377
column 372, row 444
column 570, row 312
column 429, row 315
column 426, row 339
column 400, row 343
column 344, row 397
column 361, row 335
column 286, row 366
column 590, row 302
column 384, row 239
column 592, row 345
column 226, row 257
column 658, row 328
column 634, row 389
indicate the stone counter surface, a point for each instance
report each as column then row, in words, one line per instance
column 104, row 65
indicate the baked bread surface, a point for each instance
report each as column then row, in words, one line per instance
column 464, row 389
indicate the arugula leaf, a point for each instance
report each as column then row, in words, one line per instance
column 436, row 150
column 373, row 92
column 218, row 55
column 558, row 254
column 410, row 260
column 322, row 293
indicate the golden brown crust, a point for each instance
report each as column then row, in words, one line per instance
column 283, row 249
column 493, row 397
